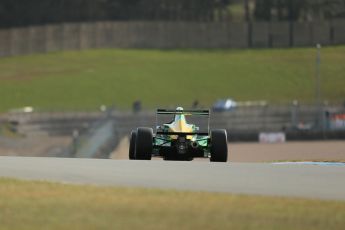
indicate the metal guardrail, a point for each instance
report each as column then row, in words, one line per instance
column 242, row 123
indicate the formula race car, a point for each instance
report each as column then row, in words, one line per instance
column 178, row 140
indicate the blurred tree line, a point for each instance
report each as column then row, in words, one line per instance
column 22, row 13
column 303, row 10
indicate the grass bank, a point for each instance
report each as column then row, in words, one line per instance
column 88, row 79
column 42, row 205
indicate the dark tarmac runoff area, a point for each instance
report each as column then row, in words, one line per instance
column 305, row 180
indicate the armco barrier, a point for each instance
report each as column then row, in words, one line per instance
column 244, row 123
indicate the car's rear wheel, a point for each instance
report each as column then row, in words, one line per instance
column 219, row 146
column 143, row 144
column 132, row 145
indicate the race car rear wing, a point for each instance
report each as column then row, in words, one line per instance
column 185, row 112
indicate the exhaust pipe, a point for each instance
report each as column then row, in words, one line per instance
column 194, row 144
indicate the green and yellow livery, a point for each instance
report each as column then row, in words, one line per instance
column 179, row 140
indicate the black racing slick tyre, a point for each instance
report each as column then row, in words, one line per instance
column 132, row 145
column 143, row 144
column 219, row 146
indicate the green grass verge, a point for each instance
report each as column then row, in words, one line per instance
column 87, row 79
column 42, row 205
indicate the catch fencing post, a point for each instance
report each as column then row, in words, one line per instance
column 319, row 110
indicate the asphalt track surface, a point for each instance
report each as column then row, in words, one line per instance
column 296, row 180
